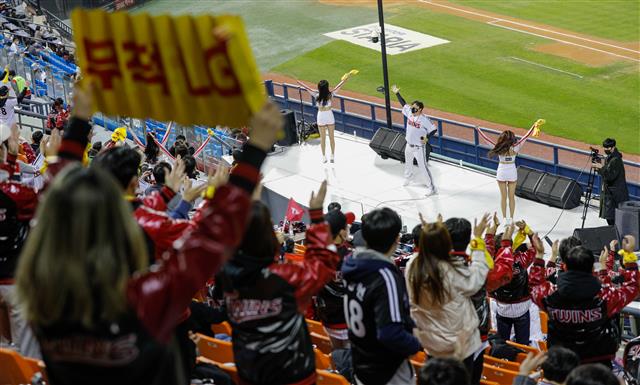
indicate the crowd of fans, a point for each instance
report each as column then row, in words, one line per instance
column 114, row 303
column 115, row 260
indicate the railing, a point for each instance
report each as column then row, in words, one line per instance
column 455, row 140
column 54, row 21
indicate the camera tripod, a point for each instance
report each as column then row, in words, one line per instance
column 303, row 129
column 588, row 194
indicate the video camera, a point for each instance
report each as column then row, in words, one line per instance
column 595, row 155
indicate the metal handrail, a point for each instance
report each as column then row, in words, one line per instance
column 450, row 121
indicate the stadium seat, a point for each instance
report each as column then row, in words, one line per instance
column 215, row 349
column 526, row 348
column 321, row 342
column 328, row 378
column 499, row 375
column 500, row 363
column 229, row 368
column 485, row 382
column 544, row 321
column 543, row 346
column 521, row 357
column 323, row 361
column 293, row 258
column 316, row 327
column 17, row 369
column 299, row 249
column 221, row 328
column 419, row 357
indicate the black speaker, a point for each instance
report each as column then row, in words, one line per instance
column 290, row 134
column 381, row 141
column 528, row 180
column 396, row 150
column 628, row 220
column 596, row 238
column 388, row 144
column 558, row 191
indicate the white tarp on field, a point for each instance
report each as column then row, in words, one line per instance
column 399, row 40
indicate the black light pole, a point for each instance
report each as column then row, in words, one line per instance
column 385, row 73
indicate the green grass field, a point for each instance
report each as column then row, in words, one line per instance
column 475, row 74
column 610, row 19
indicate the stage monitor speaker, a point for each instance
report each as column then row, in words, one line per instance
column 595, row 238
column 528, row 180
column 396, row 150
column 290, row 133
column 628, row 220
column 558, row 191
column 388, row 144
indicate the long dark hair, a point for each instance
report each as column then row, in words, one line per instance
column 259, row 239
column 323, row 92
column 504, row 143
column 152, row 150
column 435, row 246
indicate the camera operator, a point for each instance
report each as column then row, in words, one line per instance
column 614, row 184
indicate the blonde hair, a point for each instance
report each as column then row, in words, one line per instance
column 81, row 253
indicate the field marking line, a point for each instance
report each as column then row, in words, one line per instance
column 564, row 41
column 544, row 66
column 529, row 26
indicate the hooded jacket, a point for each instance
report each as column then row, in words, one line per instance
column 266, row 303
column 378, row 316
column 451, row 328
column 582, row 310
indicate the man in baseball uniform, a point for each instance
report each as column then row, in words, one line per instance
column 418, row 131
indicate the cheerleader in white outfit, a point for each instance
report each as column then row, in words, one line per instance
column 507, row 148
column 325, row 119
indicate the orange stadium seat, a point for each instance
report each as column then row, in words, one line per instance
column 221, row 328
column 543, row 346
column 322, row 342
column 526, row 348
column 499, row 375
column 17, row 369
column 299, row 249
column 215, row 349
column 328, row 378
column 500, row 363
column 323, row 361
column 544, row 321
column 485, row 382
column 521, row 357
column 316, row 327
column 419, row 357
column 229, row 368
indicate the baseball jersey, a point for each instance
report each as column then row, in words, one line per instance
column 7, row 112
column 376, row 297
column 417, row 126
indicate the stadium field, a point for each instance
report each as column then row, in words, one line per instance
column 496, row 68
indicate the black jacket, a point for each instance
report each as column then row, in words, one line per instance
column 266, row 302
column 380, row 324
column 614, row 185
column 330, row 300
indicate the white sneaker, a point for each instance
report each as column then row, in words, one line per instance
column 324, row 159
column 332, row 158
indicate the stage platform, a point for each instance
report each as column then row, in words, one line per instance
column 360, row 181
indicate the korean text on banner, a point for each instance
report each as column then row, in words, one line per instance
column 169, row 68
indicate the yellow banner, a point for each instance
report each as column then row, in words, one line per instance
column 169, row 68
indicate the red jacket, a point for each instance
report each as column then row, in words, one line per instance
column 582, row 309
column 266, row 302
column 17, row 206
column 502, row 271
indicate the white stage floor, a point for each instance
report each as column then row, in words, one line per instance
column 360, row 181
